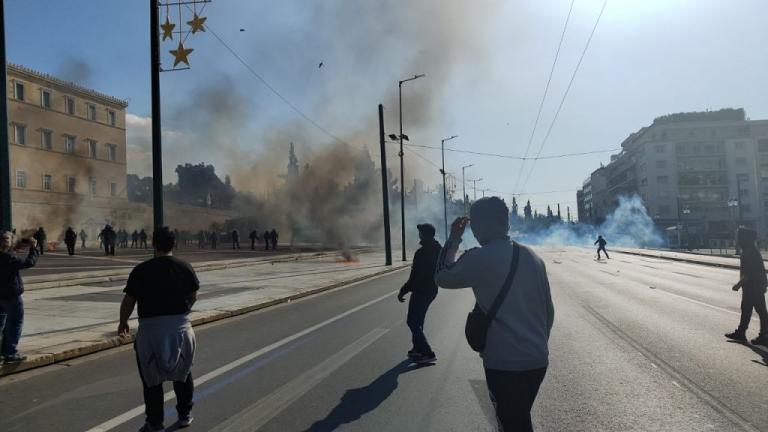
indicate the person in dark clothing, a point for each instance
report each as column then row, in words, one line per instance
column 253, row 236
column 752, row 282
column 200, row 239
column 143, row 239
column 83, row 238
column 108, row 238
column 41, row 238
column 235, row 239
column 600, row 242
column 165, row 289
column 214, row 239
column 70, row 238
column 135, row 239
column 273, row 239
column 421, row 284
column 11, row 290
column 267, row 239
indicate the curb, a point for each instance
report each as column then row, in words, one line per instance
column 685, row 260
column 46, row 359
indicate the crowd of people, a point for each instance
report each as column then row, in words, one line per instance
column 211, row 239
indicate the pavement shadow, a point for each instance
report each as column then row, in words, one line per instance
column 760, row 351
column 359, row 401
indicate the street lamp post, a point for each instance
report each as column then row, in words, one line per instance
column 445, row 193
column 157, row 158
column 5, row 160
column 474, row 187
column 464, row 187
column 402, row 169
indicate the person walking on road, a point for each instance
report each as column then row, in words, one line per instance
column 42, row 239
column 83, row 238
column 214, row 239
column 135, row 239
column 108, row 238
column 254, row 235
column 273, row 239
column 165, row 288
column 143, row 239
column 516, row 352
column 11, row 290
column 267, row 239
column 421, row 285
column 235, row 239
column 752, row 282
column 600, row 242
column 70, row 239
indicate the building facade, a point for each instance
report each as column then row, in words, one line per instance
column 700, row 174
column 68, row 153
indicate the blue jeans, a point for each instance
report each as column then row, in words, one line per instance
column 11, row 320
column 417, row 312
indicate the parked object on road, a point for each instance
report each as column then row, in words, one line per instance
column 423, row 289
column 600, row 242
column 164, row 288
column 752, row 282
column 70, row 239
column 42, row 239
column 516, row 354
column 11, row 290
column 83, row 238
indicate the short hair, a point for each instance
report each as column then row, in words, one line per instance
column 489, row 218
column 164, row 239
column 426, row 229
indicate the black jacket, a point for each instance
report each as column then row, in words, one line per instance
column 422, row 279
column 11, row 285
column 752, row 270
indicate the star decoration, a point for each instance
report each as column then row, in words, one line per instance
column 167, row 29
column 180, row 54
column 197, row 24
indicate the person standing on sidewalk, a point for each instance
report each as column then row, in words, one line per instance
column 11, row 289
column 165, row 289
column 752, row 282
column 516, row 353
column 421, row 285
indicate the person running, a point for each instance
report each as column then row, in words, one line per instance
column 752, row 282
column 11, row 290
column 165, row 288
column 516, row 353
column 421, row 285
column 600, row 242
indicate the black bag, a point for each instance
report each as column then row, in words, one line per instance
column 478, row 322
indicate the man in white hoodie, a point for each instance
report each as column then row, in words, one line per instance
column 516, row 354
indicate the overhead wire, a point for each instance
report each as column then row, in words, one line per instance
column 503, row 156
column 565, row 95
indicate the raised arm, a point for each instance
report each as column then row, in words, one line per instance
column 451, row 273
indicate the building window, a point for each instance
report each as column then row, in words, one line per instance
column 660, row 148
column 47, row 182
column 18, row 90
column 69, row 105
column 91, row 112
column 71, row 184
column 92, row 187
column 21, row 179
column 661, row 164
column 46, row 139
column 740, row 161
column 112, row 152
column 45, row 99
column 111, row 118
column 662, row 180
column 69, row 144
column 19, row 134
column 92, row 150
column 112, row 189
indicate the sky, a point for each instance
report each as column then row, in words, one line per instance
column 486, row 64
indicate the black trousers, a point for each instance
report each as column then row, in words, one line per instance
column 109, row 248
column 512, row 394
column 602, row 248
column 71, row 248
column 153, row 398
column 753, row 299
column 417, row 313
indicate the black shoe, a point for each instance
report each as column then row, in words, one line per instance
column 425, row 358
column 413, row 354
column 148, row 427
column 16, row 358
column 737, row 336
column 760, row 340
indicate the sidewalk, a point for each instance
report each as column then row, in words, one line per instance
column 65, row 322
column 693, row 258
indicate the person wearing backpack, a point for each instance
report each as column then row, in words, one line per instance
column 515, row 348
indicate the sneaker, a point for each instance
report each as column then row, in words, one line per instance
column 737, row 336
column 148, row 427
column 413, row 354
column 16, row 358
column 185, row 421
column 760, row 340
column 425, row 358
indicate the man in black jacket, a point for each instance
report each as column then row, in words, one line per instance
column 752, row 282
column 11, row 289
column 421, row 284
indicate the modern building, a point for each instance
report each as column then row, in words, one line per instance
column 699, row 173
column 67, row 150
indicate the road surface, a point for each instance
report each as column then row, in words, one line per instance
column 637, row 345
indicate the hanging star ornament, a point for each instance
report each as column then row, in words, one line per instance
column 180, row 55
column 197, row 24
column 167, row 29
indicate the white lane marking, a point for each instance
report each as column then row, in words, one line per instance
column 122, row 418
column 262, row 411
column 702, row 303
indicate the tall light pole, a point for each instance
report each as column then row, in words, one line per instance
column 5, row 160
column 464, row 187
column 474, row 187
column 157, row 146
column 402, row 169
column 445, row 193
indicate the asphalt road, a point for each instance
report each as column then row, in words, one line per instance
column 637, row 345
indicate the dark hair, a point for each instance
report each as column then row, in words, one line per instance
column 164, row 239
column 427, row 229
